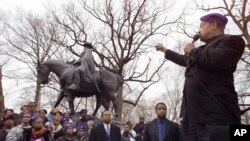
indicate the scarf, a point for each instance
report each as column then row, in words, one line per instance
column 38, row 133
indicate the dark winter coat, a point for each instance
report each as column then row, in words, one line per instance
column 98, row 133
column 172, row 131
column 3, row 134
column 209, row 93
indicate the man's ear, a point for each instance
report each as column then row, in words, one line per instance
column 214, row 25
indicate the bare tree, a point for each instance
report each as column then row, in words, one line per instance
column 1, row 92
column 128, row 27
column 2, row 106
column 28, row 43
column 72, row 28
column 127, row 112
column 174, row 93
column 71, row 34
column 121, row 32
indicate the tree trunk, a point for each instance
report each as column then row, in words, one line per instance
column 38, row 93
column 2, row 107
column 119, row 104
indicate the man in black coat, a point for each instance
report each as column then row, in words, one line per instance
column 210, row 101
column 139, row 124
column 161, row 129
column 105, row 131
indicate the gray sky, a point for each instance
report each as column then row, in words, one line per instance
column 11, row 5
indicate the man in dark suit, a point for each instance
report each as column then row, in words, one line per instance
column 161, row 129
column 210, row 101
column 105, row 131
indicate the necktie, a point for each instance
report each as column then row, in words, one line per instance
column 161, row 129
column 108, row 130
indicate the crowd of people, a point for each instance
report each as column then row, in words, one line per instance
column 39, row 125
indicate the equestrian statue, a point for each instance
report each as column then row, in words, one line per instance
column 81, row 79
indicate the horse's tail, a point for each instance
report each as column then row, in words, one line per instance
column 120, row 80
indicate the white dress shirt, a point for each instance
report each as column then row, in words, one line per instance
column 107, row 128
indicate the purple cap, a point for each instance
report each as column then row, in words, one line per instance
column 83, row 111
column 64, row 119
column 81, row 127
column 89, row 117
column 221, row 20
column 66, row 127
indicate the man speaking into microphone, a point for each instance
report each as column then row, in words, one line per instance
column 210, row 102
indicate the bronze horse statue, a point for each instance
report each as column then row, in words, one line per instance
column 108, row 84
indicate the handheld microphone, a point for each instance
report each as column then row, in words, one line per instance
column 196, row 37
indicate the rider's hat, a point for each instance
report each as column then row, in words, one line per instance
column 88, row 45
